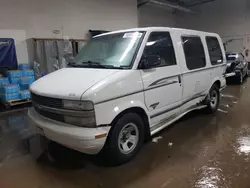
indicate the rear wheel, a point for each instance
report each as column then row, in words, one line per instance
column 213, row 99
column 125, row 139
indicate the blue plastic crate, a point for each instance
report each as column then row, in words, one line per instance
column 24, row 86
column 25, row 94
column 9, row 96
column 14, row 80
column 10, row 88
column 26, row 80
column 4, row 81
column 14, row 73
column 23, row 66
column 28, row 73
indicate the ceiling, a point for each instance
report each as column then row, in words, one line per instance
column 182, row 3
column 189, row 3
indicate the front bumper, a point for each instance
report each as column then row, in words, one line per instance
column 232, row 71
column 85, row 140
column 235, row 73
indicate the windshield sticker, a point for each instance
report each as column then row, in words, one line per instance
column 132, row 35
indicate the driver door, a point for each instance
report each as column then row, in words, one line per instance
column 162, row 83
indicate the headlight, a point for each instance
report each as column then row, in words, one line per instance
column 81, row 121
column 78, row 105
column 86, row 108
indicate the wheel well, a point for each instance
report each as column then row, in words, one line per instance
column 217, row 83
column 141, row 113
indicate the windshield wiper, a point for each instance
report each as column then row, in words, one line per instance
column 93, row 64
column 99, row 65
column 72, row 64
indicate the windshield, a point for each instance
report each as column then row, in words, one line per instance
column 109, row 51
column 231, row 57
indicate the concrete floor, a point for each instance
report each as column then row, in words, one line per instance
column 199, row 151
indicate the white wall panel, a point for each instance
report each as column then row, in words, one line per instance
column 150, row 15
column 73, row 18
column 229, row 18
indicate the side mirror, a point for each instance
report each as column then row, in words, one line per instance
column 149, row 61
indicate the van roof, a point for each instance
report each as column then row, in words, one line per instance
column 154, row 28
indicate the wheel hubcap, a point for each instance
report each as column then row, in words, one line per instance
column 213, row 98
column 128, row 138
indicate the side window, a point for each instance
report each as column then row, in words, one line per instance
column 160, row 44
column 214, row 50
column 194, row 52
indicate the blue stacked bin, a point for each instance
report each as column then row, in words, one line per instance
column 25, row 94
column 10, row 88
column 28, row 73
column 24, row 86
column 26, row 80
column 23, row 66
column 14, row 80
column 14, row 73
column 4, row 81
column 14, row 76
column 16, row 86
column 9, row 92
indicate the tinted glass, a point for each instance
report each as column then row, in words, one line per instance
column 194, row 52
column 160, row 44
column 214, row 49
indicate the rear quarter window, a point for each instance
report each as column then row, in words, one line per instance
column 214, row 50
column 194, row 52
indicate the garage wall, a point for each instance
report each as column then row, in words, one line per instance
column 150, row 15
column 73, row 18
column 229, row 18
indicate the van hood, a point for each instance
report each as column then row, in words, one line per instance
column 69, row 83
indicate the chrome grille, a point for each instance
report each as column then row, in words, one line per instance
column 50, row 102
column 47, row 101
column 50, row 115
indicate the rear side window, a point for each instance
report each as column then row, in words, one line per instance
column 160, row 44
column 194, row 52
column 214, row 49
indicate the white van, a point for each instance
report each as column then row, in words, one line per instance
column 127, row 85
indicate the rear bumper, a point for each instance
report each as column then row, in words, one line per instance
column 85, row 140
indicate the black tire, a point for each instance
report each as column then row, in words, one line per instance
column 113, row 150
column 212, row 103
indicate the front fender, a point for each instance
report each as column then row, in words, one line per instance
column 107, row 111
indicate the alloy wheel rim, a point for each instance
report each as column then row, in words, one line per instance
column 213, row 98
column 128, row 138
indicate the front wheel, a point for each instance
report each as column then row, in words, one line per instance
column 125, row 139
column 213, row 99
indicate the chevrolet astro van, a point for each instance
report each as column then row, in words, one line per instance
column 125, row 86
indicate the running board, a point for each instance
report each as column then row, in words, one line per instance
column 169, row 120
